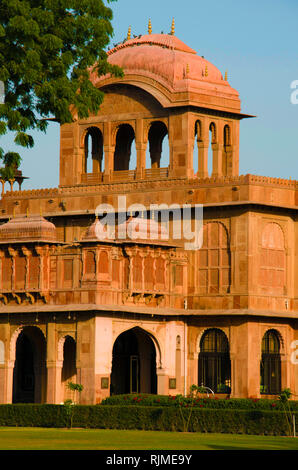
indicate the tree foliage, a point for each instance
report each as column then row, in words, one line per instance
column 47, row 50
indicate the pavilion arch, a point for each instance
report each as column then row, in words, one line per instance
column 134, row 362
column 213, row 132
column 157, row 132
column 124, row 137
column 157, row 87
column 93, row 150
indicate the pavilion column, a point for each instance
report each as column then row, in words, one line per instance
column 217, row 150
column 141, row 159
column 109, row 162
column 230, row 170
column 203, row 159
column 109, row 150
column 141, row 146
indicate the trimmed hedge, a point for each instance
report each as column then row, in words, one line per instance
column 162, row 418
column 201, row 402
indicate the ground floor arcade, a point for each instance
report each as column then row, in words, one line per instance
column 115, row 353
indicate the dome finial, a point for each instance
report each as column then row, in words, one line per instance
column 206, row 71
column 173, row 27
column 149, row 27
column 226, row 76
column 129, row 33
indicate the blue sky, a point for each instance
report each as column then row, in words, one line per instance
column 256, row 41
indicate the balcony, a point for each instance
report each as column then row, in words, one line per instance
column 125, row 175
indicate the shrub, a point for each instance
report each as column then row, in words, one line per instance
column 200, row 402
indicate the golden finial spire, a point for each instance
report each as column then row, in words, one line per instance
column 187, row 69
column 173, row 27
column 206, row 71
column 149, row 27
column 129, row 33
column 226, row 76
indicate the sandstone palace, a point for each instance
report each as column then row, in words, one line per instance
column 145, row 314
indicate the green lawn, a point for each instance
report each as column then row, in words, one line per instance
column 98, row 439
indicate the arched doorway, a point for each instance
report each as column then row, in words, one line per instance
column 214, row 361
column 30, row 374
column 134, row 363
column 69, row 371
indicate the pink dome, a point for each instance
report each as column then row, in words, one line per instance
column 32, row 228
column 135, row 229
column 164, row 55
column 172, row 72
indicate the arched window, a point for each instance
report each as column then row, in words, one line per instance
column 103, row 264
column 214, row 260
column 34, row 271
column 90, row 264
column 157, row 151
column 212, row 141
column 137, row 272
column 93, row 150
column 272, row 274
column 124, row 139
column 270, row 364
column 196, row 152
column 20, row 272
column 160, row 271
column 226, row 150
column 214, row 361
column 6, row 272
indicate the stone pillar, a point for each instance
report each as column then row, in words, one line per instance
column 103, row 357
column 141, row 159
column 8, row 383
column 54, row 386
column 217, row 160
column 162, row 382
column 109, row 150
column 109, row 162
column 203, row 159
column 141, row 146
